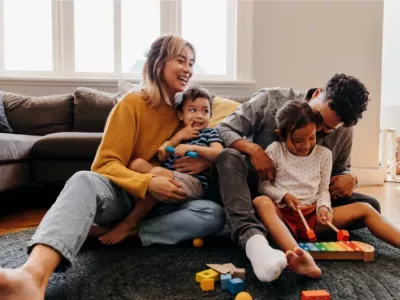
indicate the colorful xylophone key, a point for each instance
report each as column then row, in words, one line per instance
column 340, row 250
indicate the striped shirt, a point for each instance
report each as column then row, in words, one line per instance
column 205, row 138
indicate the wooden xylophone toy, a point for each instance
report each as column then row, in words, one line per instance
column 340, row 250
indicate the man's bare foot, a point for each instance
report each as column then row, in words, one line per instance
column 118, row 234
column 18, row 284
column 302, row 263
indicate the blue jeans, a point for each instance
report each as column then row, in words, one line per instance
column 89, row 198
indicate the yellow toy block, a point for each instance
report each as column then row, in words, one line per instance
column 207, row 274
column 207, row 285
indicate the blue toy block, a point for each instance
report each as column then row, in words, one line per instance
column 235, row 285
column 224, row 281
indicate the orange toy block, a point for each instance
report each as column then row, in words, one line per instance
column 315, row 295
column 207, row 285
column 343, row 235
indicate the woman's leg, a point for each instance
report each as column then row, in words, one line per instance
column 174, row 223
column 356, row 213
column 86, row 197
column 299, row 261
column 129, row 225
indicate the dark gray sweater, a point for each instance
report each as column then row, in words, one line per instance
column 255, row 121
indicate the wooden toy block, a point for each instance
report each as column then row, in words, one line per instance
column 224, row 281
column 239, row 273
column 315, row 295
column 207, row 274
column 207, row 285
column 235, row 285
column 353, row 250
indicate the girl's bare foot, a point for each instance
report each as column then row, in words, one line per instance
column 18, row 284
column 118, row 233
column 302, row 263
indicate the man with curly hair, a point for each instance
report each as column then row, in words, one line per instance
column 249, row 130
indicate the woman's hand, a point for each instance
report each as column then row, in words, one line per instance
column 262, row 164
column 190, row 165
column 165, row 189
column 182, row 149
column 324, row 215
column 291, row 201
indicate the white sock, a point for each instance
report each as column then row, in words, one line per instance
column 268, row 263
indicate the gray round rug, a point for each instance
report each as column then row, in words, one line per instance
column 127, row 271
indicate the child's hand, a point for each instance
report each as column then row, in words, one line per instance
column 188, row 133
column 324, row 215
column 182, row 149
column 291, row 201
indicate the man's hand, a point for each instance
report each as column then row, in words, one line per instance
column 188, row 132
column 182, row 149
column 190, row 165
column 165, row 189
column 342, row 186
column 324, row 215
column 291, row 201
column 262, row 164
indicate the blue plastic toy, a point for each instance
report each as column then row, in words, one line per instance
column 189, row 153
column 235, row 285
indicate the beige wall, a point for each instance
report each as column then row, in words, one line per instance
column 302, row 43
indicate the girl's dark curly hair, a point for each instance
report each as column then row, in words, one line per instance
column 348, row 98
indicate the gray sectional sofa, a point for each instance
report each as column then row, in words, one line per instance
column 53, row 136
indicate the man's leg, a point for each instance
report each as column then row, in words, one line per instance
column 247, row 230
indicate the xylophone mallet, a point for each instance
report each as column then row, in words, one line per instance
column 310, row 233
column 342, row 235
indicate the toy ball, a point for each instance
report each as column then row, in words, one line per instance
column 198, row 242
column 243, row 296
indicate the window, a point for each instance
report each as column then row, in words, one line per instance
column 109, row 38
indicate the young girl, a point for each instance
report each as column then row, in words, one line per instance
column 194, row 111
column 302, row 180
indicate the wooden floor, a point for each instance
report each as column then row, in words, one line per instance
column 388, row 195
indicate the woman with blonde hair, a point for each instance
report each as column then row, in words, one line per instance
column 136, row 128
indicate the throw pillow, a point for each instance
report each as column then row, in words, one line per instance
column 222, row 107
column 4, row 126
column 126, row 87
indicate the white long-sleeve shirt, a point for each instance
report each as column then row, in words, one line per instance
column 305, row 177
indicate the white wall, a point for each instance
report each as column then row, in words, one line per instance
column 302, row 43
column 391, row 66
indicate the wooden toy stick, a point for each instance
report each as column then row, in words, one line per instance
column 332, row 226
column 303, row 219
column 310, row 233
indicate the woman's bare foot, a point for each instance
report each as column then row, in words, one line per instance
column 97, row 231
column 302, row 263
column 18, row 284
column 118, row 233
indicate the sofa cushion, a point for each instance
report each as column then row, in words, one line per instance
column 92, row 108
column 13, row 175
column 16, row 147
column 4, row 126
column 221, row 108
column 39, row 115
column 67, row 145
